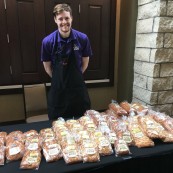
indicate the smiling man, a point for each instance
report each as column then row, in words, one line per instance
column 65, row 55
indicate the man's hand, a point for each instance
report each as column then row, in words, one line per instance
column 48, row 67
column 85, row 62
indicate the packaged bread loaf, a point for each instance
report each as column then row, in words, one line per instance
column 30, row 133
column 103, row 126
column 140, row 139
column 162, row 126
column 168, row 124
column 104, row 146
column 112, row 137
column 165, row 120
column 90, row 127
column 2, row 152
column 122, row 131
column 81, row 136
column 62, row 135
column 58, row 123
column 121, row 147
column 52, row 151
column 139, row 108
column 128, row 108
column 110, row 113
column 71, row 154
column 95, row 116
column 69, row 123
column 14, row 150
column 46, row 134
column 69, row 140
column 117, row 109
column 90, row 151
column 3, row 136
column 31, row 160
column 151, row 127
column 33, row 143
column 15, row 136
column 85, row 120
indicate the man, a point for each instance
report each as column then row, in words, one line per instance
column 65, row 54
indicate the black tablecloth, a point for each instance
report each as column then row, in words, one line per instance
column 155, row 159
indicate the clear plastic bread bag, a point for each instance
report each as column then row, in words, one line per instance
column 90, row 151
column 104, row 146
column 127, row 107
column 71, row 154
column 121, row 148
column 2, row 152
column 31, row 160
column 33, row 143
column 117, row 108
column 52, row 151
column 14, row 150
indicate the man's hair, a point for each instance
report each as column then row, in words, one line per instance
column 59, row 8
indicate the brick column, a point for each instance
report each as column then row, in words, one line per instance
column 153, row 61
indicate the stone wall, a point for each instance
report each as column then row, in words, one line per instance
column 153, row 61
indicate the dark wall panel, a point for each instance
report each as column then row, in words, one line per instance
column 128, row 15
column 95, row 30
column 5, row 75
column 26, row 27
column 27, row 37
column 97, row 16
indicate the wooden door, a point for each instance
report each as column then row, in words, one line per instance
column 5, row 70
column 25, row 20
column 95, row 16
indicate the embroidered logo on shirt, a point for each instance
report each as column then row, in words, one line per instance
column 75, row 47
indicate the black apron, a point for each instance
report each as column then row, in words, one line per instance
column 68, row 96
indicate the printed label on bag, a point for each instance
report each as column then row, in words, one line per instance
column 14, row 150
column 53, row 151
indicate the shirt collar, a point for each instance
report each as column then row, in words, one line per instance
column 72, row 37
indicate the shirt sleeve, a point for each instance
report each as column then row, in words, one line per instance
column 87, row 51
column 46, row 50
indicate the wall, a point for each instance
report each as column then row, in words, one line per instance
column 12, row 108
column 127, row 34
column 153, row 67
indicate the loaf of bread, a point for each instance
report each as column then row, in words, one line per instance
column 139, row 108
column 14, row 150
column 140, row 139
column 3, row 136
column 90, row 152
column 30, row 133
column 104, row 146
column 15, row 136
column 71, row 154
column 117, row 109
column 33, row 143
column 121, row 147
column 31, row 160
column 52, row 151
column 126, row 106
column 2, row 154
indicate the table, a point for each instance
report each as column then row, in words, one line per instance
column 158, row 159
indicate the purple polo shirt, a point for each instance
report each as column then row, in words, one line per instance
column 81, row 46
